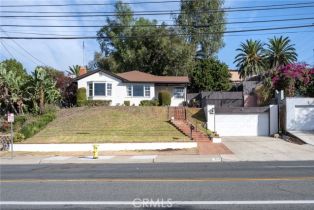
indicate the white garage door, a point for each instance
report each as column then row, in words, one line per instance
column 304, row 118
column 242, row 124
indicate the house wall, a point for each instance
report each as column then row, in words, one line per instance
column 119, row 89
column 299, row 113
column 174, row 101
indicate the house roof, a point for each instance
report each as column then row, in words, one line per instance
column 137, row 76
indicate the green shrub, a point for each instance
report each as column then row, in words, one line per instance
column 164, row 98
column 34, row 127
column 81, row 97
column 126, row 103
column 149, row 103
column 98, row 102
column 18, row 137
column 19, row 122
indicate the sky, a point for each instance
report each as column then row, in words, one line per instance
column 61, row 54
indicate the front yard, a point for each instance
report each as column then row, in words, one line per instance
column 109, row 124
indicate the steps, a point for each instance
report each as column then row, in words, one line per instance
column 184, row 127
column 204, row 145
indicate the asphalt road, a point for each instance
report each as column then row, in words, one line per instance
column 244, row 185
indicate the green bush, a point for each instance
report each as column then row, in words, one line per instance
column 164, row 98
column 19, row 122
column 18, row 137
column 149, row 103
column 34, row 127
column 98, row 102
column 126, row 103
column 81, row 97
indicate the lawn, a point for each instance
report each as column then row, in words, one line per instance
column 109, row 124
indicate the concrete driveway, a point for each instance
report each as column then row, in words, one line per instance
column 306, row 136
column 265, row 149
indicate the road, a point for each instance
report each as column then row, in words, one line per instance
column 241, row 185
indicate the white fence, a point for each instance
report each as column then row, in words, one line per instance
column 299, row 115
column 244, row 121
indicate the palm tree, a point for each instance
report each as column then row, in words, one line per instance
column 74, row 70
column 280, row 52
column 250, row 60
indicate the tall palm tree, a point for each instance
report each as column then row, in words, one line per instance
column 250, row 60
column 280, row 52
column 74, row 70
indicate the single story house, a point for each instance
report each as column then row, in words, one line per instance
column 133, row 86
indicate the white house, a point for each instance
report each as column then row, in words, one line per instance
column 133, row 86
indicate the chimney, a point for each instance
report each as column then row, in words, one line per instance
column 82, row 70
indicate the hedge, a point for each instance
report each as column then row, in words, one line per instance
column 164, row 98
column 126, row 103
column 149, row 103
column 81, row 97
column 98, row 102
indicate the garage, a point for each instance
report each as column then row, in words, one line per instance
column 242, row 121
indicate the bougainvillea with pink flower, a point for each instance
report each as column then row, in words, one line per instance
column 293, row 78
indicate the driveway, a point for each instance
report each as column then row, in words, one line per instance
column 265, row 149
column 306, row 136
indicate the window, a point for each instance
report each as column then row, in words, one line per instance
column 179, row 92
column 109, row 89
column 90, row 89
column 129, row 90
column 100, row 89
column 147, row 91
column 138, row 90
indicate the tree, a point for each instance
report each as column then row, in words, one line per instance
column 11, row 89
column 203, row 25
column 280, row 52
column 250, row 60
column 125, row 45
column 42, row 89
column 74, row 70
column 13, row 65
column 210, row 75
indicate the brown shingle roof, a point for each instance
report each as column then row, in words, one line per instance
column 137, row 76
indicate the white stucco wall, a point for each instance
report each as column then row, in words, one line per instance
column 243, row 124
column 119, row 89
column 299, row 113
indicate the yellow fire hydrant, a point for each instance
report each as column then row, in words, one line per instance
column 95, row 151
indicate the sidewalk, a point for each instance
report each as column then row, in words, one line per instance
column 24, row 160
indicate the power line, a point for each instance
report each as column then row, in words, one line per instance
column 132, row 3
column 229, row 35
column 24, row 49
column 158, row 25
column 158, row 13
column 221, row 32
column 6, row 49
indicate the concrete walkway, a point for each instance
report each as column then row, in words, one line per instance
column 306, row 136
column 266, row 149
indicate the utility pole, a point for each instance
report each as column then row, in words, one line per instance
column 83, row 54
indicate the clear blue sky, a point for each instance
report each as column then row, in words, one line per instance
column 63, row 53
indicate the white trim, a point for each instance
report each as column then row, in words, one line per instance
column 103, row 147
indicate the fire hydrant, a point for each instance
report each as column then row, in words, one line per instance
column 95, row 151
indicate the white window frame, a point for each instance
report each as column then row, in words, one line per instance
column 108, row 91
column 175, row 92
column 146, row 91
